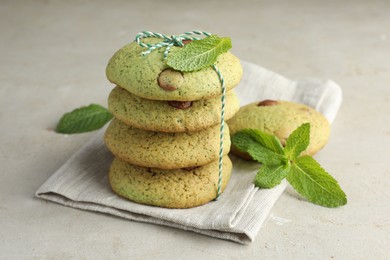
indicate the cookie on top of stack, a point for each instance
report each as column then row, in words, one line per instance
column 165, row 134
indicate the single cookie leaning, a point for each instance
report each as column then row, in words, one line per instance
column 165, row 150
column 180, row 188
column 166, row 116
column 281, row 118
column 150, row 77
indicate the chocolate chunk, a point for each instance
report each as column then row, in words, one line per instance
column 186, row 41
column 170, row 79
column 180, row 104
column 267, row 103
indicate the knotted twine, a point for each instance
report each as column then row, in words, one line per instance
column 177, row 40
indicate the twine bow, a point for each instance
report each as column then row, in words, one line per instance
column 177, row 40
column 168, row 41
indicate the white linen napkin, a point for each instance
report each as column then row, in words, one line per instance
column 239, row 212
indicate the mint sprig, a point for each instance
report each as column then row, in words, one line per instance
column 304, row 173
column 83, row 119
column 198, row 54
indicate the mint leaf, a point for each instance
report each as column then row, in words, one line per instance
column 268, row 141
column 271, row 175
column 305, row 175
column 198, row 54
column 298, row 141
column 84, row 119
column 250, row 141
column 309, row 179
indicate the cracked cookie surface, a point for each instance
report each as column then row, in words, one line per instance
column 165, row 150
column 179, row 188
column 281, row 118
column 139, row 74
column 154, row 115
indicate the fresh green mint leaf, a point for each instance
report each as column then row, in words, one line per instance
column 309, row 179
column 252, row 142
column 298, row 141
column 84, row 119
column 304, row 173
column 271, row 175
column 269, row 141
column 198, row 54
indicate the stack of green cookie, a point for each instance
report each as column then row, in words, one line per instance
column 165, row 131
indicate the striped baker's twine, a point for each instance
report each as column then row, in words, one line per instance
column 168, row 41
column 221, row 130
column 177, row 40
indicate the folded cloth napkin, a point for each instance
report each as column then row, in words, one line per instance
column 239, row 212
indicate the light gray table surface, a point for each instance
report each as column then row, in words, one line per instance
column 52, row 59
